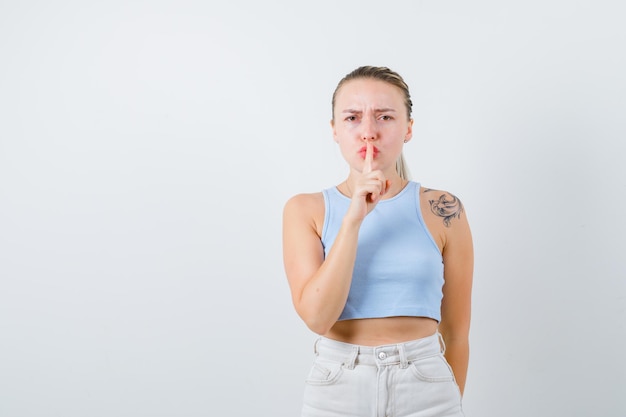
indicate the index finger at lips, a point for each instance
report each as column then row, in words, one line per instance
column 369, row 157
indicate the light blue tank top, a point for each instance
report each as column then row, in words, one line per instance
column 399, row 268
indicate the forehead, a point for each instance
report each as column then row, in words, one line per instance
column 368, row 91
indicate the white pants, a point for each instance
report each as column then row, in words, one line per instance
column 411, row 379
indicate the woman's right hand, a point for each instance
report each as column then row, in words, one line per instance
column 368, row 188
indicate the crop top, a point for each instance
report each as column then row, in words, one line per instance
column 398, row 269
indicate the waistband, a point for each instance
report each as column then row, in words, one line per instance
column 393, row 354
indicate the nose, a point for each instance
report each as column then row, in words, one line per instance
column 369, row 129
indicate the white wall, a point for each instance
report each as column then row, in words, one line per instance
column 147, row 149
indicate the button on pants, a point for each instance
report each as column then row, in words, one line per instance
column 411, row 379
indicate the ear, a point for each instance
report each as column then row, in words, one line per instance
column 332, row 126
column 409, row 132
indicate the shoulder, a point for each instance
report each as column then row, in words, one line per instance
column 305, row 201
column 306, row 209
column 442, row 205
column 445, row 217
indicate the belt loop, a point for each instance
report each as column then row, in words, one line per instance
column 442, row 343
column 350, row 362
column 317, row 352
column 404, row 363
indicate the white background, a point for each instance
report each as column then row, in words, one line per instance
column 147, row 149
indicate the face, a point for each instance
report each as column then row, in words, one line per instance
column 371, row 110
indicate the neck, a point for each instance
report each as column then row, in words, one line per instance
column 397, row 184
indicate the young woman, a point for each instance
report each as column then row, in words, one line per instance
column 381, row 268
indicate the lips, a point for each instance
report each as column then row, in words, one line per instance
column 363, row 151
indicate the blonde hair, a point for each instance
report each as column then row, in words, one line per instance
column 388, row 76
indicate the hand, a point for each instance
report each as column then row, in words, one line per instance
column 369, row 187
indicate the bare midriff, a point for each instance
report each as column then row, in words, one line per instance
column 382, row 331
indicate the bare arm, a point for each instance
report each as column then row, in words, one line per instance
column 458, row 259
column 320, row 286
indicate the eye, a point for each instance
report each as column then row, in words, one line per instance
column 350, row 119
column 386, row 117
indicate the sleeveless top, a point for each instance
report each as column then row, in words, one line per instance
column 398, row 269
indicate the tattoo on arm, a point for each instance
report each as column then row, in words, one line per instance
column 447, row 206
